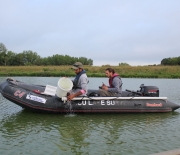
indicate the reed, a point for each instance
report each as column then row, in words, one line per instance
column 93, row 71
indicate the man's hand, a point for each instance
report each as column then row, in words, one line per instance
column 70, row 97
column 104, row 87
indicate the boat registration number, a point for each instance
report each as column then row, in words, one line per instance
column 102, row 102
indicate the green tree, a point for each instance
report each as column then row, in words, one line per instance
column 90, row 62
column 3, row 54
column 30, row 57
column 123, row 64
column 178, row 60
column 171, row 61
column 86, row 61
column 19, row 60
column 11, row 56
column 164, row 61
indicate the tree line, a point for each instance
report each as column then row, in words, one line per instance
column 9, row 58
column 171, row 61
column 28, row 57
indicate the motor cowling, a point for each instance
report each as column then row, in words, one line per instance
column 149, row 91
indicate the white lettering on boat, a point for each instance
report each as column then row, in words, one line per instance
column 19, row 93
column 154, row 104
column 85, row 103
column 110, row 102
column 36, row 98
column 107, row 102
column 152, row 91
column 102, row 102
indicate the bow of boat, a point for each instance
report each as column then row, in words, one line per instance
column 173, row 105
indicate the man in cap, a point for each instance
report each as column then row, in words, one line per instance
column 80, row 83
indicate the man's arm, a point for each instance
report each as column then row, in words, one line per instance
column 116, row 83
column 83, row 83
column 71, row 96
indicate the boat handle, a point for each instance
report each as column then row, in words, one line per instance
column 137, row 104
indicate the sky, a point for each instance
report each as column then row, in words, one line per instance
column 137, row 32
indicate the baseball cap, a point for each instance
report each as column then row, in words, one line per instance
column 77, row 65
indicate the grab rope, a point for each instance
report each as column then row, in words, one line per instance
column 10, row 79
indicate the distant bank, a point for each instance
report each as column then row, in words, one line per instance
column 93, row 71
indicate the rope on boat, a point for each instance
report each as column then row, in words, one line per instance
column 10, row 79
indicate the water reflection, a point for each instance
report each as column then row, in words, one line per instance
column 7, row 108
column 82, row 134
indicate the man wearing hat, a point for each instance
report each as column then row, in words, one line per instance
column 80, row 83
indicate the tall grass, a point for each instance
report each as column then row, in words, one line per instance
column 93, row 71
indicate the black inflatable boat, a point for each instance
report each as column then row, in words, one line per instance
column 37, row 98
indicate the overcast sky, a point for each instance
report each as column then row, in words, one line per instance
column 137, row 32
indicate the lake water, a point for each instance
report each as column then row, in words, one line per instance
column 27, row 133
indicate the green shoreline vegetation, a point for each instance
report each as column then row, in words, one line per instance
column 29, row 63
column 93, row 71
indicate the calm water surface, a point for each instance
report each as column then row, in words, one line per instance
column 26, row 133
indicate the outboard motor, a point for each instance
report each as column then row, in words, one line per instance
column 149, row 90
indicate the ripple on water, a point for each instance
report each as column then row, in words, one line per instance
column 8, row 108
column 70, row 115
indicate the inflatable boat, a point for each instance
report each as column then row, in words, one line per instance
column 40, row 98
